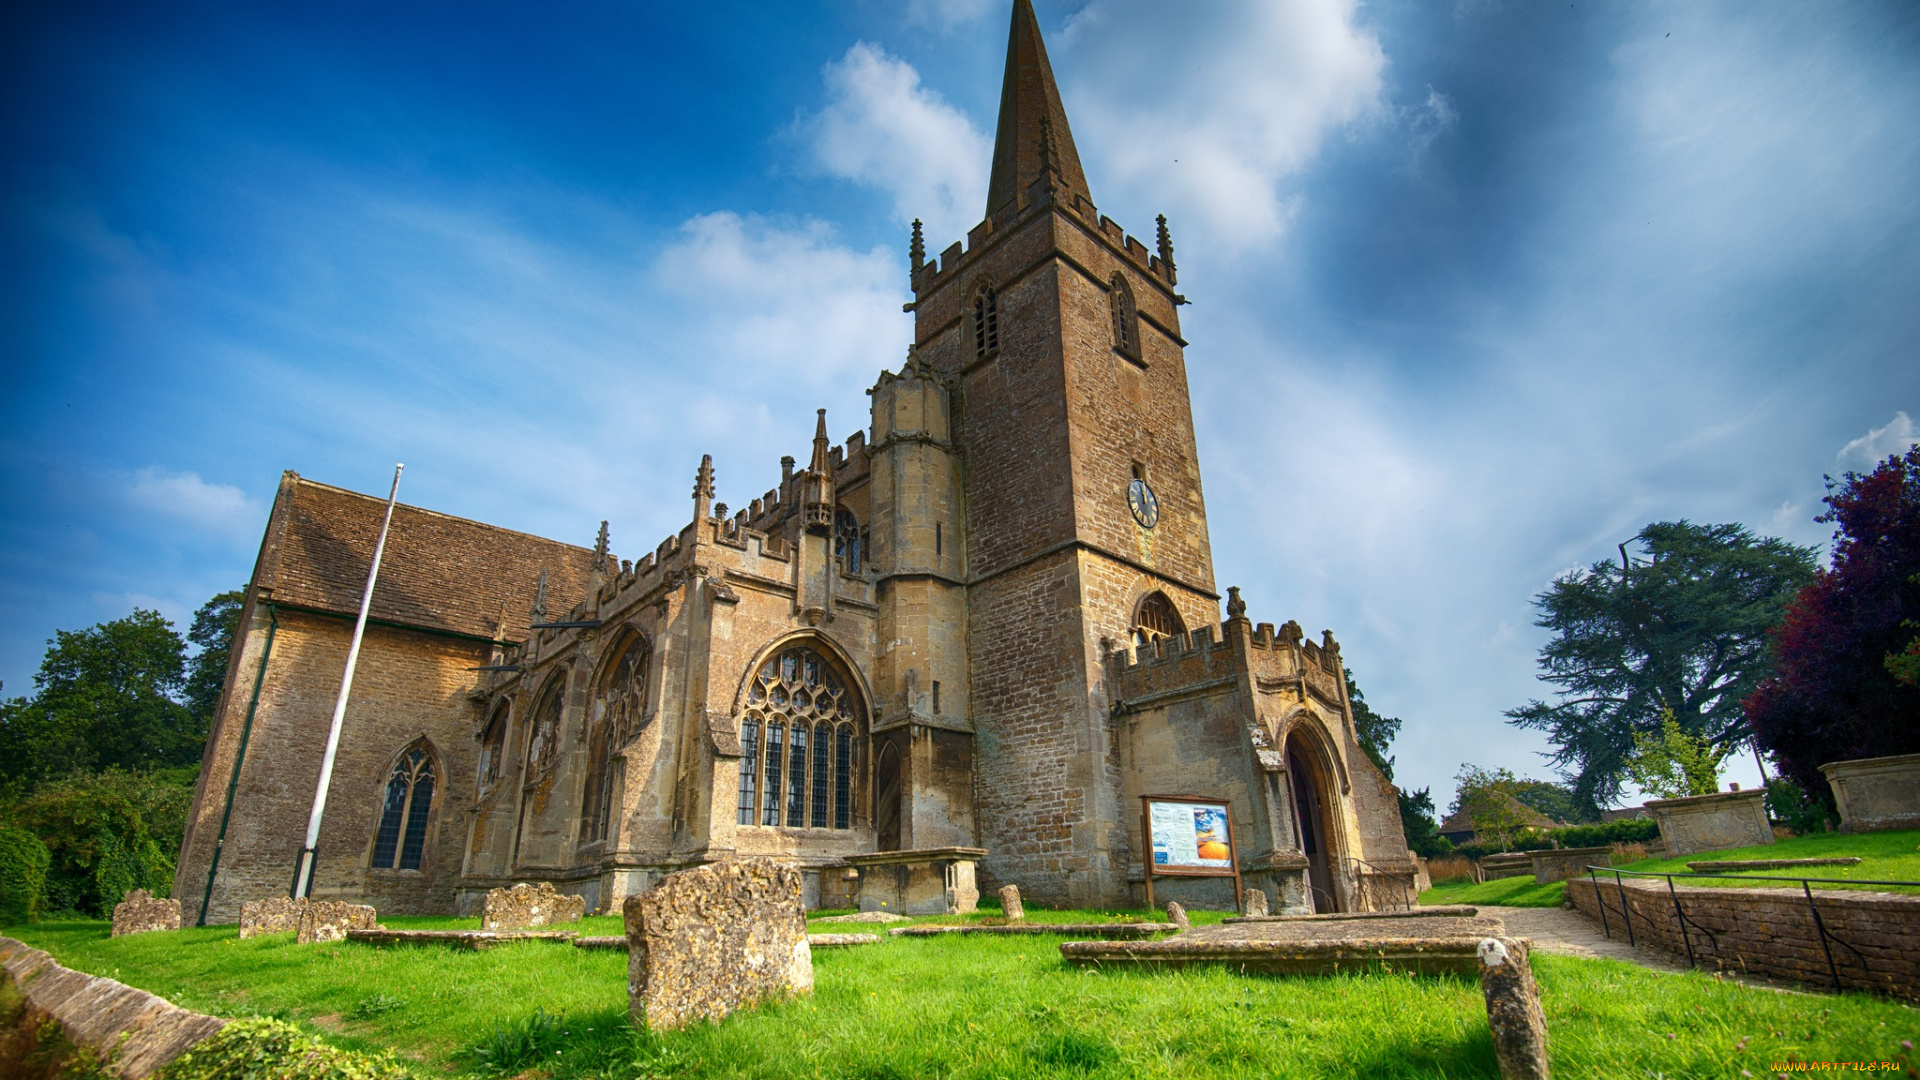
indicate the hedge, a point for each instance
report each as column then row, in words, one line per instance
column 1626, row 831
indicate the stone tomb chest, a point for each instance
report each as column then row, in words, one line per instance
column 1728, row 819
column 1876, row 793
column 931, row 881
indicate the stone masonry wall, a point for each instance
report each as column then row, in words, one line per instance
column 1771, row 931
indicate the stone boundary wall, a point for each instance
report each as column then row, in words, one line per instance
column 137, row 1032
column 1770, row 931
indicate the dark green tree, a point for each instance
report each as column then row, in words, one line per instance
column 107, row 697
column 1376, row 732
column 1421, row 822
column 212, row 630
column 1682, row 627
column 1554, row 800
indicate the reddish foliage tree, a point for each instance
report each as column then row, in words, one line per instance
column 1831, row 697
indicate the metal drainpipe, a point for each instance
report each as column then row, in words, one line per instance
column 246, row 730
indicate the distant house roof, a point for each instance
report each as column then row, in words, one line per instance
column 439, row 572
column 1458, row 824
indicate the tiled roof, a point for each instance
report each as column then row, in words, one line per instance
column 438, row 572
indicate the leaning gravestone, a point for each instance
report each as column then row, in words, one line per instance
column 329, row 920
column 708, row 941
column 526, row 906
column 1513, row 1009
column 1010, row 903
column 1177, row 915
column 140, row 913
column 274, row 915
column 1253, row 903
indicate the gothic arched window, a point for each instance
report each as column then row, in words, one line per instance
column 986, row 323
column 1156, row 620
column 493, row 747
column 849, row 540
column 1126, row 318
column 617, row 717
column 404, row 812
column 797, row 744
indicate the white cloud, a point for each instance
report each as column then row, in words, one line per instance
column 214, row 508
column 1880, row 443
column 946, row 15
column 788, row 301
column 881, row 128
column 1212, row 110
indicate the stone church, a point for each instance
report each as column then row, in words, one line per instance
column 965, row 641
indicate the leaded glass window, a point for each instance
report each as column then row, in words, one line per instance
column 402, row 837
column 804, row 764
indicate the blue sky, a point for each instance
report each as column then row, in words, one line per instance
column 1479, row 289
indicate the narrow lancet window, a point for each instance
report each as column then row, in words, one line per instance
column 1126, row 318
column 986, row 322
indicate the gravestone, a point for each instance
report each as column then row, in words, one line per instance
column 527, row 905
column 1253, row 903
column 329, row 920
column 1010, row 903
column 708, row 941
column 1729, row 819
column 1177, row 915
column 1876, row 793
column 274, row 915
column 1513, row 1009
column 140, row 913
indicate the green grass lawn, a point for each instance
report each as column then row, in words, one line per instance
column 1507, row 892
column 1884, row 856
column 977, row 1007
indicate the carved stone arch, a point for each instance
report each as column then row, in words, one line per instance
column 545, row 719
column 1155, row 618
column 618, row 700
column 493, row 735
column 804, row 712
column 1313, row 765
column 816, row 640
column 1308, row 721
column 409, row 795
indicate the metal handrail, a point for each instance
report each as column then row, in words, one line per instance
column 1827, row 938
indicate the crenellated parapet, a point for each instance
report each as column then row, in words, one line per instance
column 934, row 273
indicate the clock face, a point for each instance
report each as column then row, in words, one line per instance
column 1146, row 508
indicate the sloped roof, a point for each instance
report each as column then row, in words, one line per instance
column 439, row 572
column 1458, row 822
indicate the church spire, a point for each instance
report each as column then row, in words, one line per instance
column 1033, row 136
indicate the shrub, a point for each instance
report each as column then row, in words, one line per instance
column 1626, row 831
column 108, row 833
column 1790, row 806
column 23, row 875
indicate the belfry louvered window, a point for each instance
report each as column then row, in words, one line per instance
column 797, row 744
column 1157, row 620
column 986, row 322
column 1126, row 318
column 402, row 837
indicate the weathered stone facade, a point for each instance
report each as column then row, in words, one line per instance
column 989, row 621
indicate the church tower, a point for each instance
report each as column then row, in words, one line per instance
column 1082, row 526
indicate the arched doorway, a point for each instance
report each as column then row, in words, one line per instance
column 1310, row 810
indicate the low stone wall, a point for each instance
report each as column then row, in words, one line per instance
column 1559, row 864
column 132, row 1031
column 1769, row 931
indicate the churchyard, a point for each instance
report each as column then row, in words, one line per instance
column 970, row 1006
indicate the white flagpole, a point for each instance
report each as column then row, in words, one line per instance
column 303, row 870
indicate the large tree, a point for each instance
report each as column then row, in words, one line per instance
column 1376, row 732
column 1681, row 627
column 1834, row 697
column 106, row 696
column 212, row 630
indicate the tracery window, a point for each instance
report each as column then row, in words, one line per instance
column 849, row 540
column 1126, row 318
column 402, row 836
column 1157, row 620
column 493, row 747
column 617, row 717
column 797, row 744
column 986, row 322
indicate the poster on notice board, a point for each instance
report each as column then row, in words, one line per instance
column 1190, row 835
